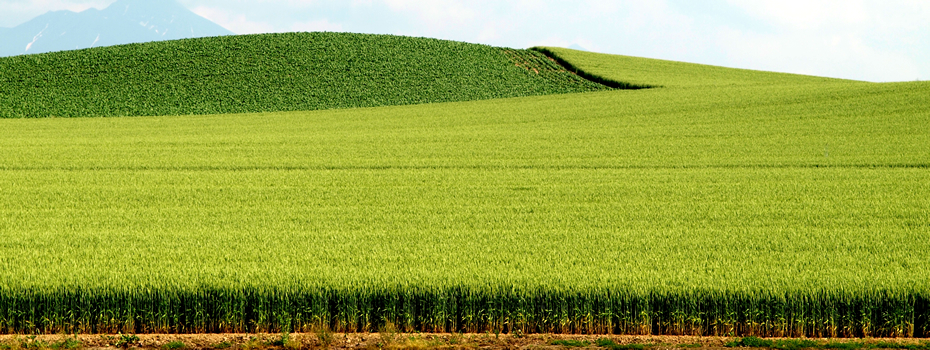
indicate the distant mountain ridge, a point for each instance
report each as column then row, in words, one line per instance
column 123, row 22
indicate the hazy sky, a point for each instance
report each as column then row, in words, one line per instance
column 885, row 40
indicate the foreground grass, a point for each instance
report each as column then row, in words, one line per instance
column 794, row 344
column 777, row 209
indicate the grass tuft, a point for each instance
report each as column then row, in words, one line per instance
column 611, row 345
column 174, row 345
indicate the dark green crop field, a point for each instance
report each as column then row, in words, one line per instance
column 744, row 203
column 271, row 72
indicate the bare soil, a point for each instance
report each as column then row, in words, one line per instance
column 299, row 341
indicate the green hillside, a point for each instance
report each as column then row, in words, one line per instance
column 271, row 72
column 747, row 203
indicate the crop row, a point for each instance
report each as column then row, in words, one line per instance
column 461, row 310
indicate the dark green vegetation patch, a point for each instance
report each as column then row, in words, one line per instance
column 272, row 72
column 601, row 343
column 798, row 344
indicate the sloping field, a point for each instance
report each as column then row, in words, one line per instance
column 792, row 206
column 637, row 71
column 271, row 72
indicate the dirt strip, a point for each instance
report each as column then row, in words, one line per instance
column 297, row 341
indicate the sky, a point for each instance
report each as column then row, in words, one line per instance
column 880, row 41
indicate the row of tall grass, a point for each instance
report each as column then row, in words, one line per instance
column 823, row 314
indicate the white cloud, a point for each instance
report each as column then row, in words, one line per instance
column 240, row 23
column 323, row 25
column 846, row 56
column 438, row 13
column 865, row 40
column 807, row 14
column 236, row 22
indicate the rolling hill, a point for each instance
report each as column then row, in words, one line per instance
column 272, row 72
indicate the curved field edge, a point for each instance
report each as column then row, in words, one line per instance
column 587, row 75
column 272, row 72
column 637, row 72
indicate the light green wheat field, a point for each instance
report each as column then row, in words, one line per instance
column 725, row 186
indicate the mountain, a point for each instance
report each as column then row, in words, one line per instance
column 123, row 22
column 577, row 47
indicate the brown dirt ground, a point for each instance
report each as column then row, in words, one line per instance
column 300, row 341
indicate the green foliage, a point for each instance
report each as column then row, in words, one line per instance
column 253, row 344
column 325, row 337
column 68, row 343
column 611, row 345
column 286, row 342
column 285, row 337
column 456, row 339
column 389, row 333
column 32, row 342
column 173, row 345
column 766, row 209
column 271, row 72
column 126, row 340
column 797, row 344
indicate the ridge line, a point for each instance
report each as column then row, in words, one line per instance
column 589, row 76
